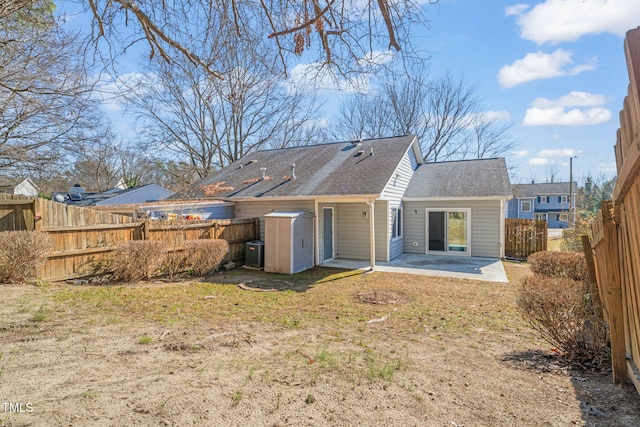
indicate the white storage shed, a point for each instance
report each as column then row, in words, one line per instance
column 288, row 242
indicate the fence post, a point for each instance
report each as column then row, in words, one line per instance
column 145, row 229
column 614, row 294
column 214, row 231
column 588, row 257
column 38, row 214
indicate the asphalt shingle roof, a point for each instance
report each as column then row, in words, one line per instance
column 343, row 168
column 461, row 179
column 6, row 181
column 543, row 189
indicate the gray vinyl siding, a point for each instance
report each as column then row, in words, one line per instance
column 382, row 230
column 485, row 225
column 352, row 230
column 258, row 209
column 397, row 185
column 393, row 193
column 396, row 247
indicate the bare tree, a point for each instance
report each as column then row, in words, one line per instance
column 486, row 139
column 9, row 7
column 444, row 114
column 341, row 32
column 552, row 172
column 362, row 116
column 452, row 105
column 209, row 122
column 44, row 97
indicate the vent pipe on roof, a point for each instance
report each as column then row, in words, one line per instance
column 264, row 172
column 371, row 152
column 293, row 171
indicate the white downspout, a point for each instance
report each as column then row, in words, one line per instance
column 317, row 231
column 502, row 227
column 372, row 235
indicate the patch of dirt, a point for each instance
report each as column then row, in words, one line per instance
column 451, row 353
column 383, row 297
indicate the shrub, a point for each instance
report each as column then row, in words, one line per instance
column 137, row 260
column 22, row 253
column 175, row 262
column 566, row 317
column 569, row 265
column 204, row 256
column 572, row 237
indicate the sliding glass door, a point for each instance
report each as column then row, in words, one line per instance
column 448, row 231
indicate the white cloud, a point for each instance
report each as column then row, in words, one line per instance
column 311, row 78
column 376, row 58
column 537, row 161
column 560, row 117
column 495, row 116
column 558, row 152
column 556, row 21
column 112, row 93
column 558, row 112
column 520, row 153
column 607, row 168
column 540, row 65
column 516, row 9
column 572, row 99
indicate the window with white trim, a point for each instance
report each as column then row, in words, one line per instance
column 563, row 217
column 525, row 206
column 396, row 230
column 544, row 199
column 564, row 199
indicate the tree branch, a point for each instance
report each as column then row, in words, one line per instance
column 150, row 28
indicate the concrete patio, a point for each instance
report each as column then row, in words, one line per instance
column 486, row 269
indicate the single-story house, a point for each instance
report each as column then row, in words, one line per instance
column 189, row 209
column 77, row 196
column 371, row 198
column 549, row 202
column 457, row 207
column 23, row 186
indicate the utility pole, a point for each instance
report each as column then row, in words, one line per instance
column 572, row 218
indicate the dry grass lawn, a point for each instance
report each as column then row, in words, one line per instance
column 324, row 347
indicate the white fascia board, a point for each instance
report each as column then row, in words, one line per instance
column 452, row 199
column 321, row 199
column 415, row 145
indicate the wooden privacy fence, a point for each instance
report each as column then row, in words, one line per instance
column 16, row 212
column 615, row 235
column 83, row 237
column 524, row 237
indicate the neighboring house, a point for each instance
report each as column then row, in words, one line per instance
column 77, row 196
column 24, row 186
column 356, row 191
column 546, row 201
column 189, row 209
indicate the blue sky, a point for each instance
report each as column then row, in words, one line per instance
column 553, row 70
